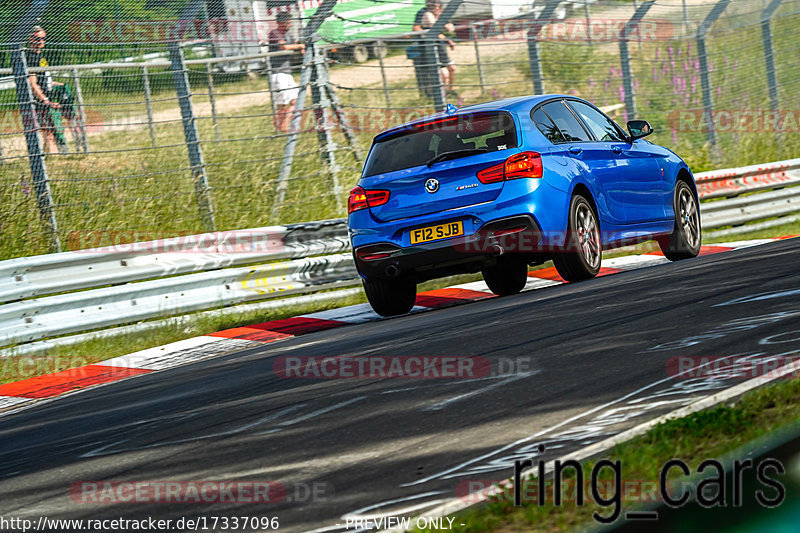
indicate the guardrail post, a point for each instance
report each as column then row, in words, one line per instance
column 478, row 59
column 80, row 115
column 212, row 100
column 383, row 74
column 625, row 57
column 705, row 78
column 199, row 177
column 769, row 53
column 41, row 184
column 148, row 102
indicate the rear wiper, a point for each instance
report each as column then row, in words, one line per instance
column 455, row 154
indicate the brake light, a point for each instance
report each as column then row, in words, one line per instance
column 361, row 199
column 523, row 165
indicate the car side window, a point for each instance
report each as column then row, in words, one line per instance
column 565, row 121
column 602, row 127
column 547, row 127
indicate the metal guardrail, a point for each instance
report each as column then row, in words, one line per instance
column 26, row 277
column 60, row 294
column 733, row 181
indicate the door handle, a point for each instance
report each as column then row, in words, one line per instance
column 616, row 149
column 575, row 150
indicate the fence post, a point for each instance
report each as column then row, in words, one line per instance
column 685, row 18
column 769, row 53
column 212, row 100
column 705, row 78
column 183, row 91
column 268, row 66
column 383, row 75
column 481, row 79
column 535, row 62
column 625, row 57
column 148, row 102
column 80, row 114
column 41, row 184
column 588, row 20
column 435, row 74
column 534, row 55
column 431, row 51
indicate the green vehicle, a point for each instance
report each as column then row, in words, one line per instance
column 357, row 20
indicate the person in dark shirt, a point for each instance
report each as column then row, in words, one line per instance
column 42, row 85
column 424, row 19
column 284, row 88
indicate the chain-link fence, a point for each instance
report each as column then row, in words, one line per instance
column 181, row 117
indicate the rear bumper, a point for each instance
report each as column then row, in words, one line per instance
column 517, row 237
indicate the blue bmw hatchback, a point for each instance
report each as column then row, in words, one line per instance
column 497, row 186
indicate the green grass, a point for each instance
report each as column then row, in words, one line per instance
column 711, row 433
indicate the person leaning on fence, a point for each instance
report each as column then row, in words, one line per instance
column 425, row 19
column 44, row 89
column 284, row 88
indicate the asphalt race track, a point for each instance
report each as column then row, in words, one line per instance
column 571, row 365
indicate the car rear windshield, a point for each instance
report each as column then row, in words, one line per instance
column 422, row 142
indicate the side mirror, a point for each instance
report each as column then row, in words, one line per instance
column 639, row 129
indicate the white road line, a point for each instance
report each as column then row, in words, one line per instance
column 310, row 415
column 760, row 296
column 445, row 403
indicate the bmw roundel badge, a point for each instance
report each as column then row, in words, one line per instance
column 432, row 185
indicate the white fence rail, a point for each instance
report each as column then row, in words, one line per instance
column 123, row 284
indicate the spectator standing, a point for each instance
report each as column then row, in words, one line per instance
column 284, row 88
column 42, row 87
column 425, row 19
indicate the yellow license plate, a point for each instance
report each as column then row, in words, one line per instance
column 434, row 233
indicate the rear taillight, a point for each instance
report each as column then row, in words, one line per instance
column 361, row 199
column 523, row 165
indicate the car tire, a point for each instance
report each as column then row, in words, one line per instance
column 391, row 297
column 583, row 251
column 506, row 277
column 686, row 237
column 359, row 53
column 378, row 50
